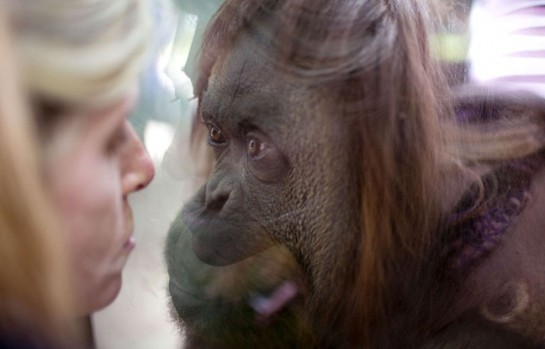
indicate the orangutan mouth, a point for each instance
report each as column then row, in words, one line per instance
column 266, row 307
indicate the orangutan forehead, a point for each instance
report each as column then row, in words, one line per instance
column 250, row 61
column 245, row 85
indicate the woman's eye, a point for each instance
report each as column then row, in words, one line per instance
column 215, row 136
column 256, row 148
column 117, row 140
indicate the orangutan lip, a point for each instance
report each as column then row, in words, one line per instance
column 267, row 306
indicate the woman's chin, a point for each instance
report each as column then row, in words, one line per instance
column 102, row 297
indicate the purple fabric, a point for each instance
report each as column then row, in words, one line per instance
column 479, row 234
column 477, row 225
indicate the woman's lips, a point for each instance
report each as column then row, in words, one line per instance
column 130, row 243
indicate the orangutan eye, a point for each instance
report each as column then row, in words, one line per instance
column 216, row 136
column 256, row 148
column 265, row 161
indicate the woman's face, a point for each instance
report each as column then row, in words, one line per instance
column 94, row 160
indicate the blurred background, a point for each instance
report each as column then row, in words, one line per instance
column 139, row 318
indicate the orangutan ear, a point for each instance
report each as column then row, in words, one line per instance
column 512, row 300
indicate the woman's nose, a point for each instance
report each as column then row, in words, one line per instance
column 137, row 166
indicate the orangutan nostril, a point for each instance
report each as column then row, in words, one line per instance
column 217, row 202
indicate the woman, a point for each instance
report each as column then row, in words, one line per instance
column 80, row 62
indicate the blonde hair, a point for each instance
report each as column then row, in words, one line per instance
column 82, row 52
column 35, row 296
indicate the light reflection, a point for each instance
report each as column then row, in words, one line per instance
column 157, row 138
